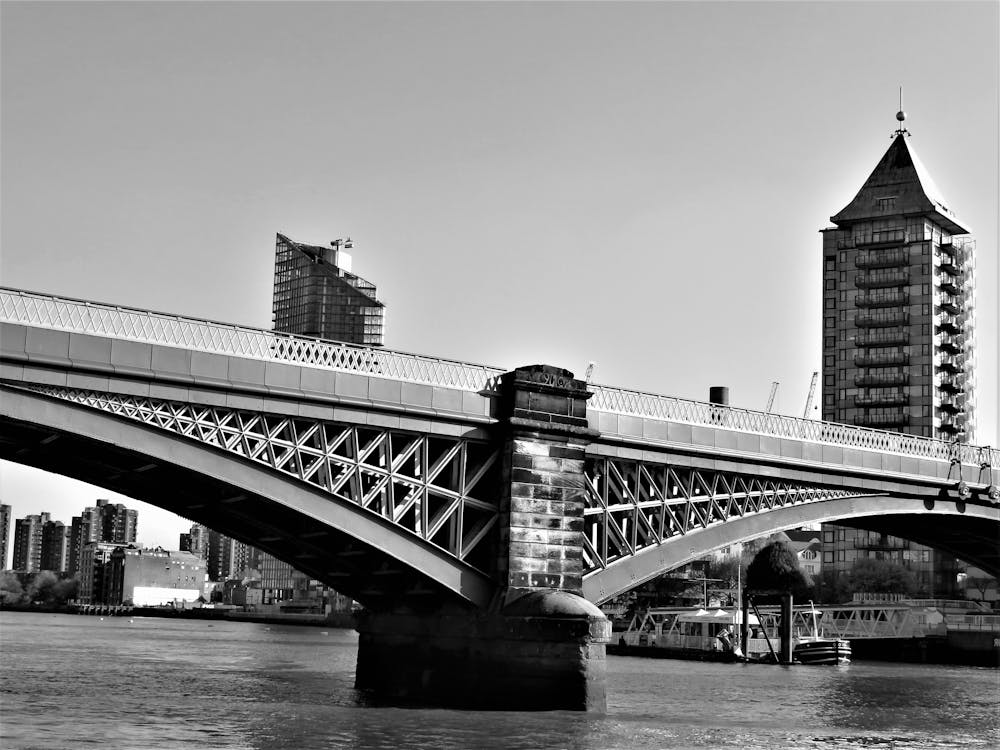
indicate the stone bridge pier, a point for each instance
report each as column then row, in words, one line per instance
column 540, row 644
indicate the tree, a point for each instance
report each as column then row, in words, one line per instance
column 775, row 570
column 982, row 584
column 881, row 576
column 41, row 587
column 11, row 590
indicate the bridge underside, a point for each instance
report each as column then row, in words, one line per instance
column 357, row 554
column 969, row 531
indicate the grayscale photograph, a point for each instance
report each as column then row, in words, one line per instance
column 459, row 375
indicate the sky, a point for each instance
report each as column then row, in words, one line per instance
column 640, row 185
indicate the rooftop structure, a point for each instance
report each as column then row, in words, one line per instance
column 315, row 294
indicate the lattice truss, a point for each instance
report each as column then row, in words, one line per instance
column 632, row 505
column 438, row 488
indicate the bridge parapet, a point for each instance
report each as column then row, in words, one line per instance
column 644, row 417
column 80, row 316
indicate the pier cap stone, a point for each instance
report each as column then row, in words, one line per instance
column 552, row 604
column 546, row 398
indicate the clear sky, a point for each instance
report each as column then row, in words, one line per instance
column 640, row 185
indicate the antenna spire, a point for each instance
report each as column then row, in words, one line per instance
column 901, row 116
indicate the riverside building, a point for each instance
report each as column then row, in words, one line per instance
column 28, row 542
column 4, row 533
column 898, row 305
column 316, row 294
column 898, row 334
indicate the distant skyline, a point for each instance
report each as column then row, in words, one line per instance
column 640, row 185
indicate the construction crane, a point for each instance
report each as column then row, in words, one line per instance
column 770, row 399
column 812, row 392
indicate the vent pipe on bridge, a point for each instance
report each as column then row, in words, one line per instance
column 718, row 394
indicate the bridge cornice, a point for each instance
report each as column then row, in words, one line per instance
column 795, row 460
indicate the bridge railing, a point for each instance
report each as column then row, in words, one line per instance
column 668, row 408
column 81, row 316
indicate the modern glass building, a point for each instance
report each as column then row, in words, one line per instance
column 898, row 334
column 315, row 294
column 898, row 307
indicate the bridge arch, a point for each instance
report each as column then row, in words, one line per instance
column 354, row 550
column 967, row 530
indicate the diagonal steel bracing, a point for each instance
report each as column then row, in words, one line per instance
column 441, row 489
column 634, row 505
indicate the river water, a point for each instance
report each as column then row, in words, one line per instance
column 69, row 681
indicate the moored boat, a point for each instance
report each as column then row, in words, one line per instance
column 813, row 648
column 683, row 633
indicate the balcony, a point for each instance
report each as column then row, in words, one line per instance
column 876, row 380
column 882, row 544
column 951, row 284
column 883, row 320
column 948, row 324
column 952, row 344
column 881, row 280
column 896, row 419
column 882, row 338
column 949, row 266
column 952, row 406
column 881, row 360
column 951, row 364
column 952, row 429
column 887, row 399
column 882, row 259
column 896, row 299
column 951, row 385
column 948, row 304
column 882, row 237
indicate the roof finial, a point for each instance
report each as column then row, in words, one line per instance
column 901, row 116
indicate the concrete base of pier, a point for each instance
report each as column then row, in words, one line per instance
column 544, row 651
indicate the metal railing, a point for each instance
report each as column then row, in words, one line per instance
column 667, row 408
column 80, row 316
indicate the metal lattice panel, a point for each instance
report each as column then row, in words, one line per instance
column 157, row 328
column 632, row 505
column 667, row 408
column 438, row 488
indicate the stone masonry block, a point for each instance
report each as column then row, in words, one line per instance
column 246, row 371
column 318, row 380
column 172, row 361
column 545, row 492
column 543, row 463
column 654, row 429
column 278, row 375
column 208, row 366
column 416, row 394
column 47, row 346
column 44, row 376
column 87, row 382
column 10, row 371
column 90, row 350
column 131, row 356
column 446, row 399
column 549, row 479
column 352, row 386
column 13, row 339
column 380, row 389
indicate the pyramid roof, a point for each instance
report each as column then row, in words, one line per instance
column 901, row 175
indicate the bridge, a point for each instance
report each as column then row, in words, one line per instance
column 478, row 513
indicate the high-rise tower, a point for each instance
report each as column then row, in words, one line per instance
column 898, row 335
column 315, row 294
column 898, row 312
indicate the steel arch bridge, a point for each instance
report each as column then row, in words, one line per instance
column 390, row 476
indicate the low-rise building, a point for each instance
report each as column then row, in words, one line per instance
column 154, row 577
